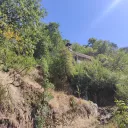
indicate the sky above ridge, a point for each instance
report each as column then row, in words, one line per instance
column 80, row 20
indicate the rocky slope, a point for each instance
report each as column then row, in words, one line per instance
column 22, row 103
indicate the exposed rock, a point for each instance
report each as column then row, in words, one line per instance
column 23, row 92
column 105, row 114
column 71, row 112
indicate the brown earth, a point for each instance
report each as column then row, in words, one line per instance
column 21, row 94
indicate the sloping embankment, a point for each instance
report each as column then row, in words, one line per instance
column 19, row 97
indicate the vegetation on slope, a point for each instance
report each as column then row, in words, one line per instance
column 25, row 42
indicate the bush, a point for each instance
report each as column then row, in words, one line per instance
column 121, row 114
column 93, row 79
column 61, row 68
column 43, row 111
column 122, row 88
column 9, row 59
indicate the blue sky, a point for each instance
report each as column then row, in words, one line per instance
column 81, row 19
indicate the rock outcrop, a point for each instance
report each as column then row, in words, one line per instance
column 71, row 112
column 23, row 93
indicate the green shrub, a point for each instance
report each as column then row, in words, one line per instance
column 94, row 77
column 10, row 59
column 122, row 88
column 121, row 114
column 61, row 68
column 43, row 110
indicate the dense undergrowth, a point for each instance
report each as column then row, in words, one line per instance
column 25, row 42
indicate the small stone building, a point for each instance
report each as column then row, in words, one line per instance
column 79, row 57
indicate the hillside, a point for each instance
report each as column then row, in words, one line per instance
column 21, row 107
column 48, row 81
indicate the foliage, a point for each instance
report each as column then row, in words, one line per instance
column 125, row 49
column 99, row 76
column 62, row 67
column 122, row 88
column 10, row 60
column 102, row 46
column 94, row 77
column 22, row 26
column 30, row 14
column 120, row 61
column 82, row 49
column 43, row 110
column 121, row 114
column 72, row 102
column 26, row 41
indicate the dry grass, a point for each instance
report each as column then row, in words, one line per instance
column 111, row 125
column 14, row 107
column 2, row 94
column 72, row 116
column 67, row 110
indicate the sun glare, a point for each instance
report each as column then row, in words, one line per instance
column 114, row 4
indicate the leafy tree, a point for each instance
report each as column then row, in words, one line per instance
column 125, row 49
column 102, row 46
column 82, row 49
column 62, row 67
column 95, row 79
column 121, row 114
column 53, row 31
column 24, row 22
column 122, row 88
column 44, row 43
column 30, row 14
column 119, row 61
column 91, row 42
